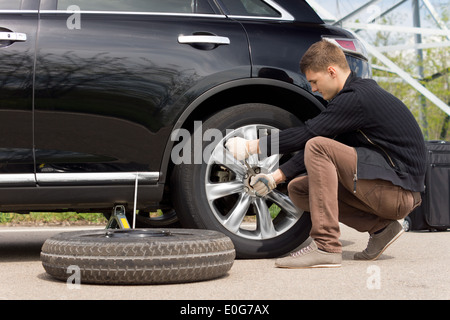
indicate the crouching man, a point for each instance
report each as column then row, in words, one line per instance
column 364, row 156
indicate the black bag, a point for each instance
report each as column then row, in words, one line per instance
column 434, row 213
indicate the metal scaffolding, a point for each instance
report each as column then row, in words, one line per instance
column 419, row 31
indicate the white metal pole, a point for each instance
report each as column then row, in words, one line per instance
column 135, row 199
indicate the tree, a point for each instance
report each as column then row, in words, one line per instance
column 433, row 121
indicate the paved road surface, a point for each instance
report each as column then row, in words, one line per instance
column 417, row 266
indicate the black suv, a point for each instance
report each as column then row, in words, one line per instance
column 98, row 97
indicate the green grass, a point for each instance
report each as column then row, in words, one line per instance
column 274, row 211
column 51, row 218
column 68, row 218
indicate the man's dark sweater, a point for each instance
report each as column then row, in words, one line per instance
column 387, row 138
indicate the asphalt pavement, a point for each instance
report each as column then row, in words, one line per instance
column 417, row 266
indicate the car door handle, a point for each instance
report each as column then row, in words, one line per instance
column 204, row 39
column 13, row 36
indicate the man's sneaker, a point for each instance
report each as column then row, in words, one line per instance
column 379, row 242
column 310, row 257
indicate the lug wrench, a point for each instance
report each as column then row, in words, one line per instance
column 250, row 169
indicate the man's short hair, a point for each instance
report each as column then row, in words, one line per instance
column 321, row 55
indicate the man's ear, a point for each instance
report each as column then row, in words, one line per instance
column 332, row 71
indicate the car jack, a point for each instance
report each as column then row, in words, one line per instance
column 118, row 219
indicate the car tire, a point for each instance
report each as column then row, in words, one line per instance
column 138, row 256
column 196, row 208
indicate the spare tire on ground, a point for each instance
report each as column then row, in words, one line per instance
column 138, row 256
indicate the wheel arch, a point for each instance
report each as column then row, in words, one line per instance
column 252, row 90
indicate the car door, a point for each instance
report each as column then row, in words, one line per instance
column 18, row 25
column 112, row 76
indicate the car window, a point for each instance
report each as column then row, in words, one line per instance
column 256, row 8
column 172, row 6
column 10, row 4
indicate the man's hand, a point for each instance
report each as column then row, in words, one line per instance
column 242, row 148
column 263, row 184
column 238, row 148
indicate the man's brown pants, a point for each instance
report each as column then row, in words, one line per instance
column 331, row 194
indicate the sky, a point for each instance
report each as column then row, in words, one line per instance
column 401, row 18
column 403, row 14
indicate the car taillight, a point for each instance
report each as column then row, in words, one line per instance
column 350, row 46
column 347, row 44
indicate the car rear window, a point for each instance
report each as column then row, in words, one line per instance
column 250, row 8
column 168, row 6
column 10, row 4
